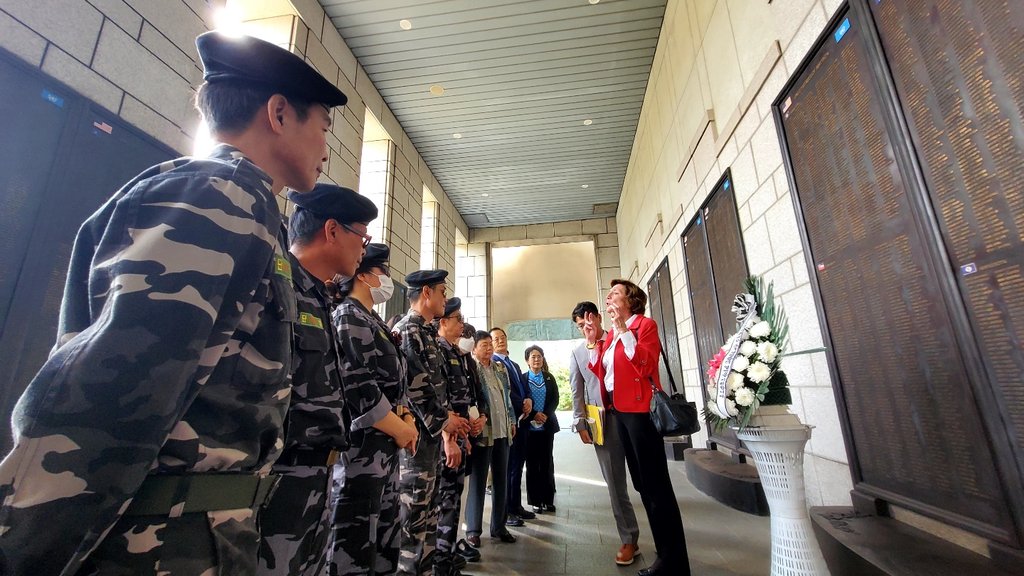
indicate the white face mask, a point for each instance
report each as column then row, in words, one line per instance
column 466, row 345
column 382, row 293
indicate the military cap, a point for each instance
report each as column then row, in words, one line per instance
column 253, row 60
column 420, row 278
column 376, row 256
column 329, row 201
column 453, row 304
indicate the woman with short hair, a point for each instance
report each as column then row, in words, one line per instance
column 626, row 363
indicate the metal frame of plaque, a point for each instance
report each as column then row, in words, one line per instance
column 989, row 473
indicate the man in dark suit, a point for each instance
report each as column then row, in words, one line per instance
column 521, row 405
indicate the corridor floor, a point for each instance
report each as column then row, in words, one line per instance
column 580, row 538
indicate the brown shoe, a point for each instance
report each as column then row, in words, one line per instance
column 626, row 554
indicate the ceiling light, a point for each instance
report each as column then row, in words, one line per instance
column 588, row 122
column 456, row 135
column 485, row 194
column 407, row 25
column 593, row 1
column 228, row 21
column 437, row 90
column 585, row 186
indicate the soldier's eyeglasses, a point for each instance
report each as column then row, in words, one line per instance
column 366, row 237
column 460, row 318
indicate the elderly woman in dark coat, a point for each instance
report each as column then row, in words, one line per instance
column 541, row 426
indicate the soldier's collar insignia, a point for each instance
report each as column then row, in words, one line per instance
column 307, row 319
column 282, row 267
column 454, row 361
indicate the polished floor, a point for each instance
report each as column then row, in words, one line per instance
column 580, row 538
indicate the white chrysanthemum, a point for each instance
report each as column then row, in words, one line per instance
column 735, row 381
column 712, row 390
column 759, row 372
column 713, row 407
column 740, row 363
column 760, row 330
column 733, row 410
column 745, row 396
column 767, row 351
column 748, row 348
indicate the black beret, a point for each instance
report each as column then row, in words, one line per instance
column 253, row 60
column 420, row 278
column 452, row 305
column 329, row 201
column 376, row 255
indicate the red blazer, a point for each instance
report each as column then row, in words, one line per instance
column 632, row 377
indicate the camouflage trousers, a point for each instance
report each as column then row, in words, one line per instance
column 294, row 524
column 215, row 543
column 364, row 503
column 449, row 507
column 418, row 511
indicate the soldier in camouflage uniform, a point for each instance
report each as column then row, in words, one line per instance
column 438, row 425
column 452, row 480
column 149, row 433
column 364, row 495
column 326, row 234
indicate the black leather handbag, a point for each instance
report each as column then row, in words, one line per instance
column 673, row 415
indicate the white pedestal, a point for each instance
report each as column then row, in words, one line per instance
column 778, row 453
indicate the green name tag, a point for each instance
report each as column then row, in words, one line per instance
column 307, row 319
column 282, row 267
column 454, row 362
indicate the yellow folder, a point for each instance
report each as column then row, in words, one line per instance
column 595, row 421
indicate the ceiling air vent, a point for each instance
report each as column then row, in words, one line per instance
column 475, row 220
column 603, row 209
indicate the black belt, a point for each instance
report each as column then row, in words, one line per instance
column 200, row 493
column 308, row 457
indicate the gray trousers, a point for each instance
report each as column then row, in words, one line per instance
column 612, row 459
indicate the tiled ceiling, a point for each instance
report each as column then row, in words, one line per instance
column 519, row 79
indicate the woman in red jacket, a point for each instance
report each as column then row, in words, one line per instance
column 626, row 362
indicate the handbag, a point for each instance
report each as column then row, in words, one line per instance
column 673, row 415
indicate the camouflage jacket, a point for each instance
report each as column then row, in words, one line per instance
column 459, row 387
column 316, row 417
column 428, row 398
column 373, row 369
column 173, row 356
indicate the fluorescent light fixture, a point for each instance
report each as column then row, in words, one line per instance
column 204, row 142
column 228, row 20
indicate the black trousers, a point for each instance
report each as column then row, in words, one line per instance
column 540, row 474
column 648, row 466
column 516, row 461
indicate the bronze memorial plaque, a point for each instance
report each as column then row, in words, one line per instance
column 916, row 430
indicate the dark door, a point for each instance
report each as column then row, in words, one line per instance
column 61, row 159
